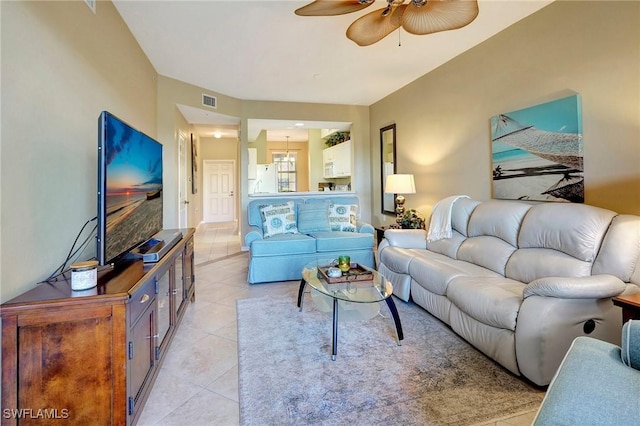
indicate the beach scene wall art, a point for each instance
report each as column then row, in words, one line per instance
column 537, row 152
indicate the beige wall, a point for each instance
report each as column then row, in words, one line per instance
column 170, row 94
column 590, row 48
column 61, row 66
column 260, row 144
column 218, row 149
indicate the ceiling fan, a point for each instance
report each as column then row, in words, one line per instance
column 416, row 17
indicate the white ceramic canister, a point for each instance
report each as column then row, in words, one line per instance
column 84, row 275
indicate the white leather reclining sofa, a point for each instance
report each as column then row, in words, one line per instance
column 520, row 281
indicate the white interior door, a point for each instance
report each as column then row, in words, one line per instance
column 183, row 180
column 218, row 191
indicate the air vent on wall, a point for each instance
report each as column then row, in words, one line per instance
column 210, row 101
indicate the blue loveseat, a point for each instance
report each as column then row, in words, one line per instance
column 312, row 228
column 597, row 384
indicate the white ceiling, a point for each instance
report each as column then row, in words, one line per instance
column 261, row 50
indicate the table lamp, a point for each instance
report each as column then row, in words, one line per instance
column 400, row 184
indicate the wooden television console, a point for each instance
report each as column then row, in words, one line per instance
column 92, row 359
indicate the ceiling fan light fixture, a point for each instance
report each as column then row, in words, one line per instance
column 438, row 15
column 373, row 26
column 391, row 4
column 418, row 17
column 332, row 7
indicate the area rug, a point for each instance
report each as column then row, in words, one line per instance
column 286, row 375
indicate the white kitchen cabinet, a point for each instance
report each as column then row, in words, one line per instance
column 337, row 160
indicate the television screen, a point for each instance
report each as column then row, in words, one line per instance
column 129, row 188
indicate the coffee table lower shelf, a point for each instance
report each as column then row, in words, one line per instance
column 334, row 344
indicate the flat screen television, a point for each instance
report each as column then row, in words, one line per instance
column 129, row 188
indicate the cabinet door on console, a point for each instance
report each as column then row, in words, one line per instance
column 165, row 320
column 166, row 301
column 142, row 356
column 62, row 354
column 189, row 272
column 179, row 287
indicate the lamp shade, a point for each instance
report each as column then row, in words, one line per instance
column 400, row 184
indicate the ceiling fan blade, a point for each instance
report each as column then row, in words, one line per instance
column 439, row 15
column 332, row 7
column 373, row 26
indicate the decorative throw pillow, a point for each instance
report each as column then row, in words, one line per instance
column 631, row 344
column 342, row 217
column 278, row 219
column 313, row 217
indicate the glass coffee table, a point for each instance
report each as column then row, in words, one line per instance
column 374, row 290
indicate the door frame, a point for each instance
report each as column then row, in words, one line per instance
column 183, row 180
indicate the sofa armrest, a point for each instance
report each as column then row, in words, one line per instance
column 406, row 238
column 364, row 228
column 254, row 233
column 591, row 287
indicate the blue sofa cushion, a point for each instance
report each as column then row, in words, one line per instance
column 631, row 344
column 342, row 241
column 343, row 217
column 279, row 219
column 313, row 217
column 283, row 245
column 591, row 387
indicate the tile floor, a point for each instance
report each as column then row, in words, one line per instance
column 198, row 382
column 214, row 241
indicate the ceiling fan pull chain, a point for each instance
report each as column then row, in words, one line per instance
column 399, row 41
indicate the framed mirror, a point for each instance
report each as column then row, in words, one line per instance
column 387, row 166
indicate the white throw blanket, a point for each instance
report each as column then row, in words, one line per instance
column 440, row 225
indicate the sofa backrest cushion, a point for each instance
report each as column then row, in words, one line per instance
column 460, row 213
column 447, row 246
column 558, row 239
column 313, row 217
column 339, row 199
column 489, row 252
column 620, row 251
column 574, row 229
column 493, row 234
column 500, row 219
column 526, row 265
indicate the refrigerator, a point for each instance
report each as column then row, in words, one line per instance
column 265, row 181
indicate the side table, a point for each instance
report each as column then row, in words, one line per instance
column 630, row 305
column 380, row 232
